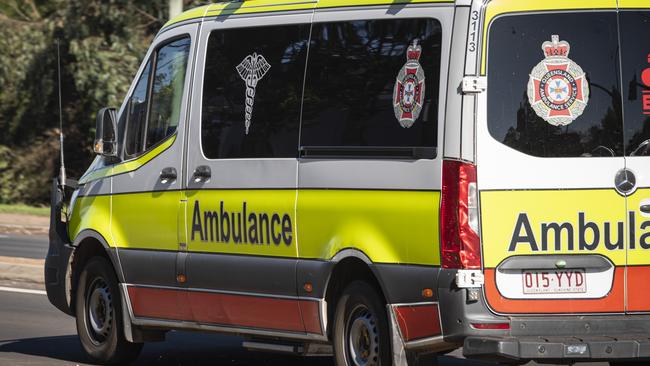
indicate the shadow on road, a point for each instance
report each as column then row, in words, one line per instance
column 180, row 349
column 64, row 348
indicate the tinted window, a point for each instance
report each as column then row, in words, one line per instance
column 636, row 77
column 578, row 121
column 167, row 90
column 135, row 115
column 357, row 77
column 252, row 90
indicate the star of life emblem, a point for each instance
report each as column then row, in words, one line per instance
column 408, row 93
column 558, row 89
column 252, row 69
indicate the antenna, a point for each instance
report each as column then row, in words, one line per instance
column 62, row 177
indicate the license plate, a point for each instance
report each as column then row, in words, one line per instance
column 554, row 281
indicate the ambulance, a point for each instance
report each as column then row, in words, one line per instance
column 373, row 180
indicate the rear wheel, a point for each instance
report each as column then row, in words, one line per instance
column 361, row 335
column 99, row 315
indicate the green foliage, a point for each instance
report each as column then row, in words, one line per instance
column 102, row 45
column 24, row 210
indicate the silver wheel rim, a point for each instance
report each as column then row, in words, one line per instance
column 363, row 337
column 100, row 310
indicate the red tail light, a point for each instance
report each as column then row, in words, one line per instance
column 460, row 243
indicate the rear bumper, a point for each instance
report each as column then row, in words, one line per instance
column 562, row 348
column 546, row 338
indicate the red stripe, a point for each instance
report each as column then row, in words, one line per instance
column 638, row 288
column 418, row 321
column 226, row 309
column 159, row 304
column 311, row 316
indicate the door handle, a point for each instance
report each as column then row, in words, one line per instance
column 645, row 208
column 168, row 174
column 202, row 174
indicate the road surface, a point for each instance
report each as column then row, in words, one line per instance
column 34, row 333
column 34, row 247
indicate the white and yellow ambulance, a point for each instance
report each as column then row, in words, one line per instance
column 373, row 179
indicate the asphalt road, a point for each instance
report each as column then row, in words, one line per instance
column 34, row 333
column 24, row 246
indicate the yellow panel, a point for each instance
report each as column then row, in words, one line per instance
column 259, row 6
column 268, row 228
column 498, row 7
column 146, row 220
column 634, row 4
column 641, row 252
column 187, row 15
column 130, row 165
column 91, row 213
column 342, row 3
column 388, row 226
column 518, row 216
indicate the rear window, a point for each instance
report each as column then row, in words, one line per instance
column 372, row 87
column 635, row 51
column 563, row 100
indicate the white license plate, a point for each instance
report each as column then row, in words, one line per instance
column 554, row 281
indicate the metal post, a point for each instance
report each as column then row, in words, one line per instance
column 175, row 8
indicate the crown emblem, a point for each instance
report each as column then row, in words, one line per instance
column 556, row 48
column 414, row 51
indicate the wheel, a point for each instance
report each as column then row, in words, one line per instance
column 361, row 335
column 99, row 315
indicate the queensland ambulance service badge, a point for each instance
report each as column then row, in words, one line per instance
column 408, row 94
column 558, row 90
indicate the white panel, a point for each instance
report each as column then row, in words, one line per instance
column 599, row 283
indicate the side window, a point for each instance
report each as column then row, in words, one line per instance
column 553, row 84
column 135, row 114
column 167, row 90
column 636, row 77
column 372, row 84
column 251, row 92
column 153, row 111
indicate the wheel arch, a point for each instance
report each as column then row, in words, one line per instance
column 88, row 244
column 349, row 265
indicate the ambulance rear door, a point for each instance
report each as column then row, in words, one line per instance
column 549, row 150
column 635, row 57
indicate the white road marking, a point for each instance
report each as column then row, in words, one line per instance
column 3, row 236
column 23, row 290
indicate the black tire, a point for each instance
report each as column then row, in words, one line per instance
column 361, row 319
column 99, row 315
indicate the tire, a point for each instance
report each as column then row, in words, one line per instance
column 361, row 334
column 99, row 315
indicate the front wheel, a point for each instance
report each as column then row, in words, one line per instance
column 99, row 315
column 361, row 334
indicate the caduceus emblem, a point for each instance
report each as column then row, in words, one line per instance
column 252, row 70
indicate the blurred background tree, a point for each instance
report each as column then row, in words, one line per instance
column 102, row 45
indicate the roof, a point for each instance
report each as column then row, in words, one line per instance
column 260, row 6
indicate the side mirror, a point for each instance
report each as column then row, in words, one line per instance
column 106, row 133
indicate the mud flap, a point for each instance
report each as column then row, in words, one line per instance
column 399, row 352
column 58, row 255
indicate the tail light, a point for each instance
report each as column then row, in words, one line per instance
column 460, row 242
